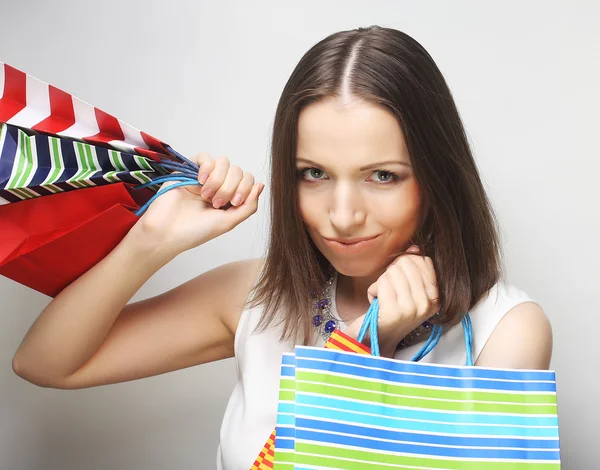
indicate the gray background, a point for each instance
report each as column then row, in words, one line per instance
column 207, row 76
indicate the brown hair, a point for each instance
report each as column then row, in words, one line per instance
column 459, row 230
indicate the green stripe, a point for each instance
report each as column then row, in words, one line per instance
column 20, row 177
column 283, row 459
column 435, row 393
column 81, row 163
column 111, row 176
column 115, row 157
column 18, row 193
column 57, row 164
column 52, row 188
column 91, row 163
column 287, row 384
column 140, row 175
column 375, row 397
column 142, row 162
column 285, row 395
column 332, row 457
column 23, row 193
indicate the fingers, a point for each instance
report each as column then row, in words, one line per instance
column 217, row 171
column 235, row 188
column 386, row 294
column 413, row 298
column 414, row 280
column 235, row 215
column 429, row 277
column 222, row 182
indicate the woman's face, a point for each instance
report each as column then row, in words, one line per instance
column 355, row 180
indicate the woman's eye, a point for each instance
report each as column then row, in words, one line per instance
column 385, row 176
column 313, row 173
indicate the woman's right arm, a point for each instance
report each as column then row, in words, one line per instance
column 89, row 336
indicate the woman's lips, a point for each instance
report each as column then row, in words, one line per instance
column 353, row 246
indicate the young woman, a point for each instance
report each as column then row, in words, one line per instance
column 374, row 193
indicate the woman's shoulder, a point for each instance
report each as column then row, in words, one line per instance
column 512, row 328
column 234, row 282
column 497, row 301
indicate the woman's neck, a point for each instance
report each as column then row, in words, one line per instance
column 351, row 296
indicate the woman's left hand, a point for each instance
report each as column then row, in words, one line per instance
column 408, row 295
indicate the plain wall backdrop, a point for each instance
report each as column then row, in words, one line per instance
column 206, row 76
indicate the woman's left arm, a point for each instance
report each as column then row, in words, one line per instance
column 522, row 340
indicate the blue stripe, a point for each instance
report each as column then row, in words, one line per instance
column 287, row 371
column 286, row 420
column 69, row 160
column 406, row 425
column 7, row 155
column 286, row 408
column 425, row 415
column 413, row 379
column 288, row 359
column 418, row 438
column 106, row 166
column 285, row 432
column 418, row 449
column 307, row 352
column 284, row 443
column 43, row 160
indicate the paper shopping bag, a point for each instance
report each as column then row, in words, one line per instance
column 33, row 165
column 338, row 341
column 50, row 241
column 349, row 411
column 30, row 103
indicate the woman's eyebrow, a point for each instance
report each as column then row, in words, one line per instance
column 368, row 167
column 387, row 162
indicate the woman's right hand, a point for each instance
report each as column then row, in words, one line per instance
column 188, row 216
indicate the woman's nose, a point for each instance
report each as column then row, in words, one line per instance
column 347, row 209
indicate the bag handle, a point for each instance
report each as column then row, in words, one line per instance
column 370, row 325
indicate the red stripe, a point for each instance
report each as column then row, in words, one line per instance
column 150, row 153
column 14, row 98
column 333, row 342
column 62, row 114
column 109, row 129
column 353, row 341
column 153, row 143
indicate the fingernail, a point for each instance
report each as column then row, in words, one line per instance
column 207, row 193
column 217, row 203
column 237, row 200
column 202, row 178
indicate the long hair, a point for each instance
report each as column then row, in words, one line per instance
column 459, row 230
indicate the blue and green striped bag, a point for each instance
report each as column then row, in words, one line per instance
column 341, row 410
column 34, row 164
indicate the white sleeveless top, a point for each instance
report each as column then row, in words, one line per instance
column 251, row 412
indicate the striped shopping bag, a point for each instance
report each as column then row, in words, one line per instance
column 349, row 411
column 38, row 108
column 33, row 165
column 77, row 179
column 30, row 103
column 337, row 341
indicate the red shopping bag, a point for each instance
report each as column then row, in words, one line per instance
column 46, row 243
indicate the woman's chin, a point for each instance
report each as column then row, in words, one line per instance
column 357, row 268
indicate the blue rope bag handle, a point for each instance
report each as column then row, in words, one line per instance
column 370, row 325
column 184, row 172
